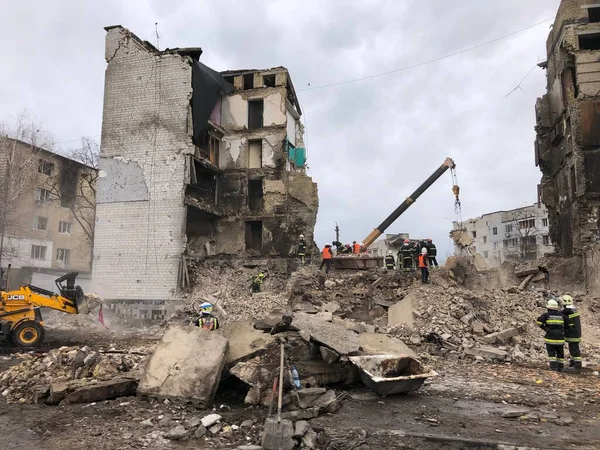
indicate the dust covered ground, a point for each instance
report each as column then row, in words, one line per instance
column 472, row 403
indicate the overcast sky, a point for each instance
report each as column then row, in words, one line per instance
column 370, row 143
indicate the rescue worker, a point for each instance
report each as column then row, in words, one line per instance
column 423, row 265
column 416, row 253
column 207, row 321
column 347, row 249
column 302, row 250
column 572, row 331
column 257, row 282
column 432, row 253
column 355, row 247
column 390, row 262
column 326, row 255
column 546, row 273
column 407, row 253
column 423, row 244
column 554, row 323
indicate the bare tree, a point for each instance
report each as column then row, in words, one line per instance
column 16, row 169
column 75, row 187
column 525, row 232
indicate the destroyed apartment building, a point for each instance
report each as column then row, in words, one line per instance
column 194, row 163
column 567, row 148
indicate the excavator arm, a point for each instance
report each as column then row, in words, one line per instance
column 372, row 237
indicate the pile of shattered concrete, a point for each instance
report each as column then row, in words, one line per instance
column 72, row 375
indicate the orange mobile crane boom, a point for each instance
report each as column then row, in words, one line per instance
column 448, row 164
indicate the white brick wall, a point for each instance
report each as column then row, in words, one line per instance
column 138, row 243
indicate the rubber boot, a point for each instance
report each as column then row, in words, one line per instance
column 571, row 363
column 577, row 365
column 554, row 366
column 560, row 366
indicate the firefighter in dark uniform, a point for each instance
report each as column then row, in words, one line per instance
column 432, row 253
column 554, row 323
column 302, row 250
column 572, row 331
column 407, row 253
column 390, row 262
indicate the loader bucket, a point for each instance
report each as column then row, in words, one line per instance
column 86, row 303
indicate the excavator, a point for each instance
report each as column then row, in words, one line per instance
column 20, row 315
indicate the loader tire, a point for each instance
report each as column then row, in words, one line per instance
column 28, row 334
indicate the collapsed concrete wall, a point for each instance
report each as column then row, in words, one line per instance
column 139, row 233
column 567, row 147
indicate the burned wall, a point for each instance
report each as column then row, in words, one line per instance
column 567, row 124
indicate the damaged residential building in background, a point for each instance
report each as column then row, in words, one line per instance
column 194, row 163
column 567, row 148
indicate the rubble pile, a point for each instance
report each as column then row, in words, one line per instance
column 36, row 374
column 227, row 285
column 494, row 324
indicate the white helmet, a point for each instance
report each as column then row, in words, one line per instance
column 423, row 251
column 301, row 236
column 389, row 252
column 327, row 244
column 552, row 304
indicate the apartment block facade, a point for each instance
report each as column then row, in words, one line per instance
column 45, row 205
column 520, row 234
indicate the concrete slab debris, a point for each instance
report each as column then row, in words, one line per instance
column 326, row 333
column 381, row 344
column 244, row 340
column 186, row 365
column 103, row 390
column 331, row 307
column 301, row 414
column 209, row 420
column 328, row 355
column 402, row 312
column 300, row 428
column 487, row 352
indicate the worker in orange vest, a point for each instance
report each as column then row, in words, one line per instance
column 355, row 247
column 423, row 265
column 326, row 255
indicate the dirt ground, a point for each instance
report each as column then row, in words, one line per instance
column 460, row 408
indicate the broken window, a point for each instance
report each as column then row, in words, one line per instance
column 594, row 14
column 249, row 81
column 63, row 255
column 200, row 229
column 40, row 223
column 255, row 154
column 255, row 195
column 546, row 239
column 508, row 228
column 474, row 234
column 544, row 222
column 254, row 235
column 38, row 252
column 589, row 41
column 590, row 123
column 229, row 79
column 526, row 224
column 495, row 231
column 65, row 227
column 45, row 167
column 42, row 195
column 255, row 114
column 68, row 185
column 213, row 148
column 269, row 80
column 485, row 239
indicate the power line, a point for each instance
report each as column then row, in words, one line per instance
column 401, row 69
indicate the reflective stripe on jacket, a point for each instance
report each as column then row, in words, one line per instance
column 554, row 323
column 573, row 329
column 390, row 261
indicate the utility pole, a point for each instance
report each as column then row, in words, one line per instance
column 337, row 232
